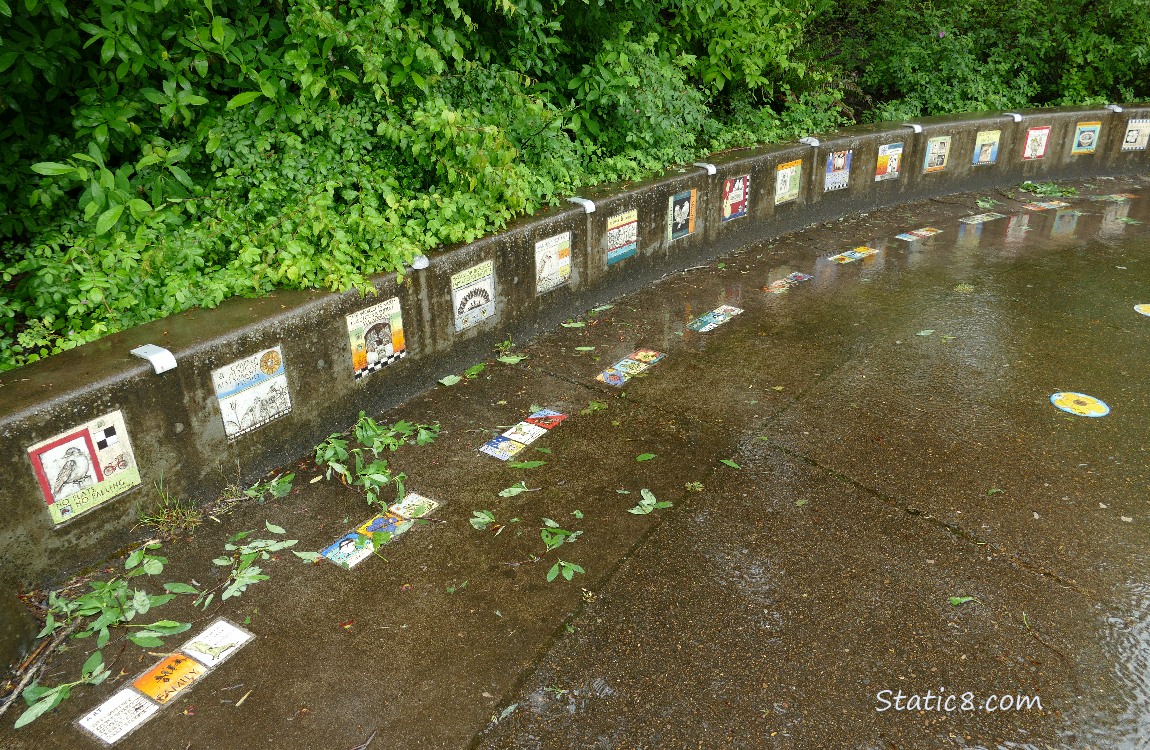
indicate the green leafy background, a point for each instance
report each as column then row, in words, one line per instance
column 165, row 154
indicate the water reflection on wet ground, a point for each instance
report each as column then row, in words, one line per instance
column 896, row 448
column 907, row 533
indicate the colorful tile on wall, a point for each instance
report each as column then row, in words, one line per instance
column 376, row 335
column 838, row 174
column 85, row 467
column 1085, row 138
column 252, row 392
column 937, row 154
column 736, row 192
column 1137, row 135
column 1037, row 140
column 473, row 295
column 552, row 262
column 681, row 209
column 986, row 147
column 622, row 236
column 889, row 162
column 788, row 181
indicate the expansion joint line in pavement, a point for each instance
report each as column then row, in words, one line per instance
column 954, row 529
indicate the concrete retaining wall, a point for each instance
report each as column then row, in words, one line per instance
column 51, row 412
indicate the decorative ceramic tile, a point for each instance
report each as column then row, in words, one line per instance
column 622, row 236
column 552, row 262
column 1085, row 138
column 937, row 154
column 473, row 295
column 889, row 162
column 736, row 192
column 838, row 170
column 85, row 467
column 252, row 392
column 986, row 147
column 376, row 335
column 788, row 181
column 681, row 214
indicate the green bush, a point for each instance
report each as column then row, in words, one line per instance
column 170, row 154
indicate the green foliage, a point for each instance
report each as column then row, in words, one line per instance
column 554, row 537
column 371, row 473
column 649, row 503
column 242, row 555
column 1047, row 189
column 278, row 486
column 98, row 612
column 165, row 155
column 916, row 58
column 568, row 569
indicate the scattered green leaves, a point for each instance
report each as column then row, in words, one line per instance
column 567, row 569
column 481, row 520
column 515, row 489
column 956, row 601
column 593, row 407
column 649, row 503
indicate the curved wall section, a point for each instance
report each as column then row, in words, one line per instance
column 88, row 433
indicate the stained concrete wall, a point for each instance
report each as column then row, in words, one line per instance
column 174, row 420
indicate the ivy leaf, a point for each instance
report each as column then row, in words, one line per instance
column 450, row 380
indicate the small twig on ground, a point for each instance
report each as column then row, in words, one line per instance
column 32, row 666
column 364, row 745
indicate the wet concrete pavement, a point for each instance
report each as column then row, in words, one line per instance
column 880, row 473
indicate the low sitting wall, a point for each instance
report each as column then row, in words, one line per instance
column 87, row 433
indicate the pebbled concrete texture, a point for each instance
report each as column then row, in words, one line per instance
column 880, row 473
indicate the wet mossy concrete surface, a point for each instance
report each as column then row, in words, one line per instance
column 902, row 512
